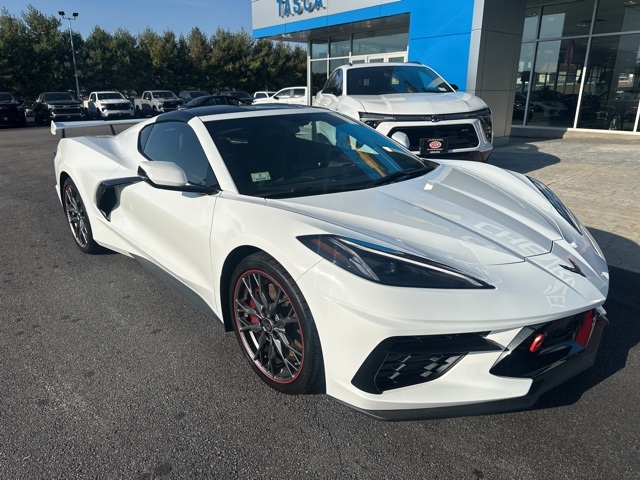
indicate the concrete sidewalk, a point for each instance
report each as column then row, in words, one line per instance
column 597, row 177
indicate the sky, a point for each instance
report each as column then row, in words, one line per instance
column 180, row 16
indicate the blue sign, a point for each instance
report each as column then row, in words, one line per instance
column 297, row 7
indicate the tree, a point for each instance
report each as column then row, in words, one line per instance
column 35, row 57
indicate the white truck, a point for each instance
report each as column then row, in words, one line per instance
column 155, row 102
column 108, row 105
column 415, row 106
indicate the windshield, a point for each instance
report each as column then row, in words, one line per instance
column 291, row 155
column 382, row 80
column 110, row 96
column 6, row 97
column 164, row 94
column 49, row 97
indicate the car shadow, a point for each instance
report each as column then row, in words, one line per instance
column 620, row 336
column 521, row 156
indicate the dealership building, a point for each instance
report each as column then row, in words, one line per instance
column 543, row 65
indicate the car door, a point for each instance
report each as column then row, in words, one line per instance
column 283, row 95
column 172, row 228
column 91, row 105
column 299, row 96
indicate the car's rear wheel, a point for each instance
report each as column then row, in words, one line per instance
column 274, row 326
column 78, row 218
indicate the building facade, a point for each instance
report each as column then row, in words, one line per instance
column 537, row 63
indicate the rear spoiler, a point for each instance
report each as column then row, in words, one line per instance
column 62, row 126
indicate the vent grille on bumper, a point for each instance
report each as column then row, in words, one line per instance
column 459, row 136
column 539, row 348
column 403, row 361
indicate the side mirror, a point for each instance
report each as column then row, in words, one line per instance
column 169, row 176
column 455, row 87
column 330, row 91
column 162, row 174
column 402, row 139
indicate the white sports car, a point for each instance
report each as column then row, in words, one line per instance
column 403, row 287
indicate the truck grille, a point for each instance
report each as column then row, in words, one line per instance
column 459, row 136
column 118, row 106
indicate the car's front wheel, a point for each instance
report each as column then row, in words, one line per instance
column 78, row 218
column 274, row 326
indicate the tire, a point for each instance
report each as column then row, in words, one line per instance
column 78, row 219
column 614, row 122
column 274, row 326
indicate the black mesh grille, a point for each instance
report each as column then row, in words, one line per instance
column 458, row 136
column 402, row 361
column 403, row 370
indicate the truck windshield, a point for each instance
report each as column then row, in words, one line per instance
column 164, row 94
column 384, row 80
column 53, row 96
column 110, row 96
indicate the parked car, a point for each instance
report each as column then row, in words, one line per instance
column 244, row 97
column 290, row 95
column 154, row 102
column 12, row 110
column 614, row 110
column 413, row 104
column 262, row 94
column 188, row 95
column 107, row 104
column 57, row 106
column 401, row 286
column 28, row 109
column 209, row 100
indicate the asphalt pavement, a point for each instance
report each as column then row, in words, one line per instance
column 106, row 373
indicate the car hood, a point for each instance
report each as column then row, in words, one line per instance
column 418, row 103
column 450, row 215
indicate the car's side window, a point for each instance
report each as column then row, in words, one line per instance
column 177, row 142
column 298, row 92
column 335, row 81
column 285, row 93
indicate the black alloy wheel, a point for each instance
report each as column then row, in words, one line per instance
column 78, row 218
column 274, row 326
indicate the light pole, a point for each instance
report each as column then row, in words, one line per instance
column 73, row 53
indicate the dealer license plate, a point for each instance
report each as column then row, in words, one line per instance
column 429, row 146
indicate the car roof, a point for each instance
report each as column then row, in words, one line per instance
column 188, row 114
column 386, row 64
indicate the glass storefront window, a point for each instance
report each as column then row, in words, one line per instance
column 530, row 24
column 525, row 65
column 336, row 62
column 617, row 16
column 556, row 82
column 319, row 74
column 319, row 48
column 566, row 19
column 612, row 88
column 384, row 41
column 340, row 46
